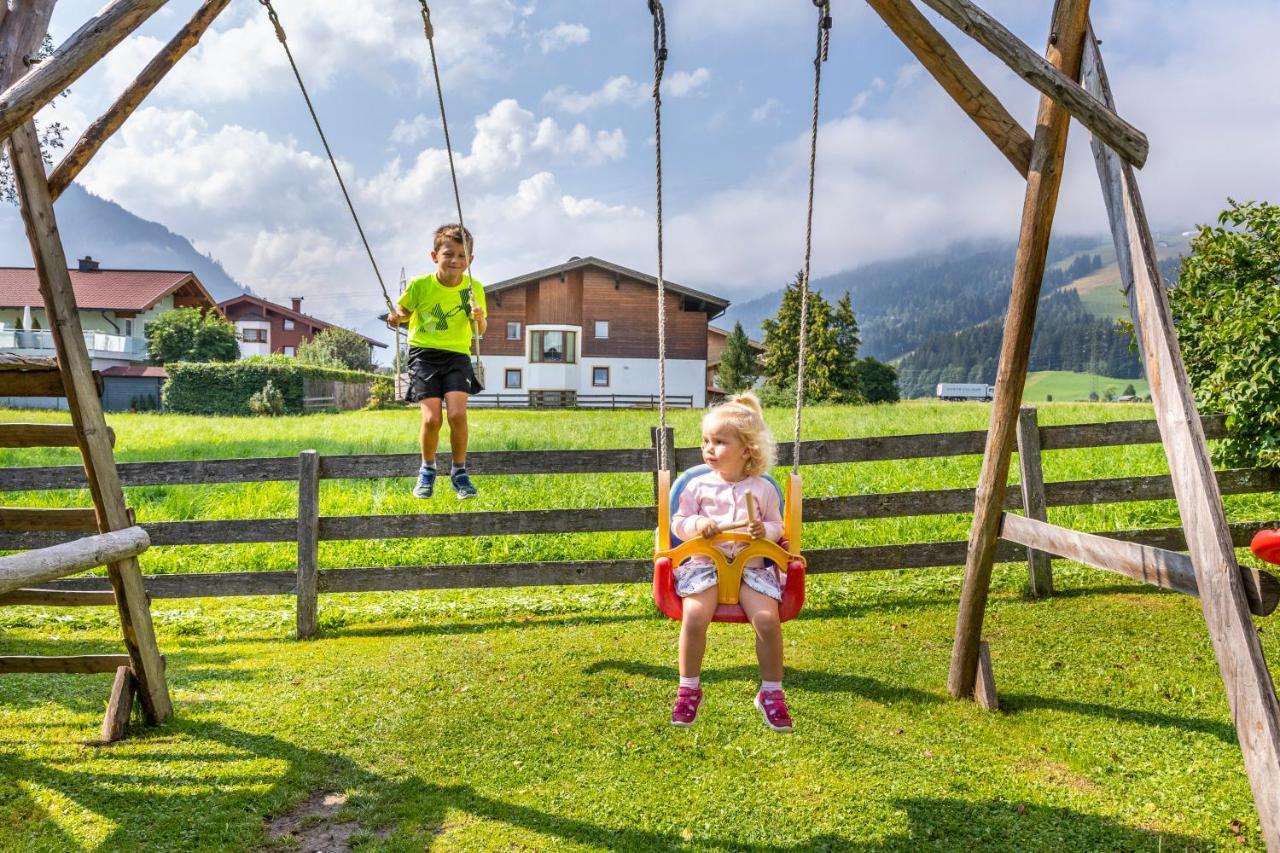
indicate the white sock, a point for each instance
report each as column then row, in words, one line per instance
column 429, row 466
column 766, row 686
column 694, row 682
column 457, row 468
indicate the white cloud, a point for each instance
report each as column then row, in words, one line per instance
column 769, row 109
column 408, row 132
column 861, row 99
column 624, row 90
column 562, row 36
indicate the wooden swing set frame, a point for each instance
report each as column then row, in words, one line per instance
column 1073, row 83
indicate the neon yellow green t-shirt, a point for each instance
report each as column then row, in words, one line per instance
column 440, row 317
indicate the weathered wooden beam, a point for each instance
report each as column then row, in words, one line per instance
column 46, row 564
column 1044, row 75
column 1250, row 691
column 984, row 689
column 22, row 99
column 1156, row 566
column 308, row 541
column 77, row 664
column 941, row 60
column 116, row 115
column 58, row 598
column 115, row 723
column 43, row 435
column 86, row 413
column 25, row 519
column 1031, row 484
column 1043, row 180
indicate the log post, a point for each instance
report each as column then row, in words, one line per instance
column 110, row 121
column 115, row 723
column 308, row 541
column 1043, row 180
column 21, row 100
column 941, row 60
column 1039, row 564
column 1250, row 691
column 86, row 413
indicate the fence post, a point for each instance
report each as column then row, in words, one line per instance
column 308, row 541
column 657, row 456
column 1039, row 564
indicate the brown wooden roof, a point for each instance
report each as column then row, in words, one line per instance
column 713, row 305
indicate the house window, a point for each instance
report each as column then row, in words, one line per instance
column 602, row 328
column 288, row 325
column 254, row 336
column 128, row 328
column 600, row 377
column 513, row 331
column 513, row 378
column 290, row 351
column 553, row 347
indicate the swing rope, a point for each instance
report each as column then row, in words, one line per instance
column 659, row 65
column 284, row 42
column 823, row 47
column 430, row 31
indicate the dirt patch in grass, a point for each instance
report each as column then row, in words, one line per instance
column 1056, row 773
column 311, row 825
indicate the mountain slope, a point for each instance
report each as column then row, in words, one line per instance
column 117, row 239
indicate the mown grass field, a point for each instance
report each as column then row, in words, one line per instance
column 536, row 718
column 1067, row 386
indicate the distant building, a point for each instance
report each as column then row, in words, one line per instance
column 264, row 327
column 115, row 308
column 716, row 339
column 589, row 327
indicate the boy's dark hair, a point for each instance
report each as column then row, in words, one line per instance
column 457, row 234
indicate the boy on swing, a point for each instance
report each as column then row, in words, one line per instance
column 441, row 309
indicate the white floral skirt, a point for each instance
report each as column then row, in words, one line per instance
column 694, row 577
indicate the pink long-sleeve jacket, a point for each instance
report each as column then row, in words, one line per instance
column 708, row 496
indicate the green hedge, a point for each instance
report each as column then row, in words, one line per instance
column 225, row 388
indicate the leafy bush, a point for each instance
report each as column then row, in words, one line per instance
column 226, row 389
column 382, row 394
column 268, row 401
column 336, row 347
column 188, row 334
column 1227, row 308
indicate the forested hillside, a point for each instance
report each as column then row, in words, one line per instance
column 1068, row 337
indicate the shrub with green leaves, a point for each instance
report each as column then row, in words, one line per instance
column 1227, row 309
column 189, row 334
column 226, row 389
column 268, row 401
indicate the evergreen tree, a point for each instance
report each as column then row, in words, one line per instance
column 877, row 381
column 782, row 346
column 847, row 335
column 738, row 369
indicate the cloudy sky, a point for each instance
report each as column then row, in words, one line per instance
column 550, row 114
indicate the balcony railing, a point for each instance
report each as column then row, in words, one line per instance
column 95, row 342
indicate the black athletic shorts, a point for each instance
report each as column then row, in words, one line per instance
column 436, row 372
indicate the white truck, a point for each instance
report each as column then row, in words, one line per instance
column 965, row 391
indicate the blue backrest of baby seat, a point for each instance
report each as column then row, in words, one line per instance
column 697, row 471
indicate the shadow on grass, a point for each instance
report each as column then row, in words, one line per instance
column 149, row 808
column 1015, row 702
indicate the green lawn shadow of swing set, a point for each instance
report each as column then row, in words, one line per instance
column 1062, row 95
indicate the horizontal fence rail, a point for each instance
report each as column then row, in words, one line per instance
column 30, row 529
column 621, row 461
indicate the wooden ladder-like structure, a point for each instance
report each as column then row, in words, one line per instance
column 119, row 541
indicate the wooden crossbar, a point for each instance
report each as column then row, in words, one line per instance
column 1156, row 566
column 79, row 664
column 1126, row 139
column 43, row 435
column 58, row 598
column 23, row 518
column 46, row 564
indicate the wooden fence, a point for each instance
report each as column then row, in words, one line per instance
column 574, row 400
column 310, row 528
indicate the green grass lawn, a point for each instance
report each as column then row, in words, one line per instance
column 536, row 718
column 1066, row 386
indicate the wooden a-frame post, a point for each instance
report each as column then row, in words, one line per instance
column 1066, row 44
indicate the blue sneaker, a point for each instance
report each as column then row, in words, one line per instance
column 462, row 484
column 426, row 483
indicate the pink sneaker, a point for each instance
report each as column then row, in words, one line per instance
column 685, row 711
column 772, row 704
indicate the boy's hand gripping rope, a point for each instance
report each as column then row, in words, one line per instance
column 284, row 42
column 824, row 44
column 659, row 65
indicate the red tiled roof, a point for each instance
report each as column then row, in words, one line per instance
column 149, row 371
column 286, row 312
column 112, row 290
